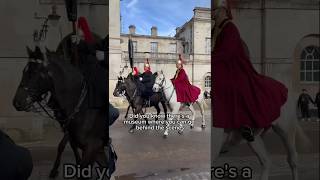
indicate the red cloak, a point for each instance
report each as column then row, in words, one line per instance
column 186, row 92
column 241, row 96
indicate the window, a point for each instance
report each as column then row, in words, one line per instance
column 135, row 46
column 207, row 82
column 208, row 45
column 310, row 64
column 154, row 49
column 173, row 48
column 185, row 48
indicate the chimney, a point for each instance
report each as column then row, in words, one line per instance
column 132, row 29
column 154, row 31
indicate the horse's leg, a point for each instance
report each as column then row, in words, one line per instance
column 54, row 171
column 137, row 110
column 158, row 111
column 259, row 149
column 218, row 137
column 163, row 103
column 201, row 106
column 102, row 161
column 292, row 156
column 174, row 113
column 90, row 153
column 193, row 115
column 75, row 151
column 125, row 117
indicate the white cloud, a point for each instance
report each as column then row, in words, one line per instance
column 132, row 3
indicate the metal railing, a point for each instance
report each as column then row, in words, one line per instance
column 157, row 57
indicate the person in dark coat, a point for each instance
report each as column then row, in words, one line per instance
column 147, row 81
column 95, row 75
column 303, row 103
column 15, row 161
column 317, row 103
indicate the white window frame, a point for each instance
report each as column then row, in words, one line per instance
column 309, row 58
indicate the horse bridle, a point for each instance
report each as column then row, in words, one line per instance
column 162, row 87
column 40, row 99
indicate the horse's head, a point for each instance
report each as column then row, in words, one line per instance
column 120, row 87
column 35, row 82
column 159, row 82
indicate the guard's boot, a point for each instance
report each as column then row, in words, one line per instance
column 247, row 133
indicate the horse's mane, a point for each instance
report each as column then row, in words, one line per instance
column 58, row 61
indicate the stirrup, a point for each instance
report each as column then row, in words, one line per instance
column 247, row 133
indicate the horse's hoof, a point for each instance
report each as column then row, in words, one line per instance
column 53, row 173
column 203, row 126
column 131, row 131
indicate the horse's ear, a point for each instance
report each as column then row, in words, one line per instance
column 29, row 51
column 161, row 71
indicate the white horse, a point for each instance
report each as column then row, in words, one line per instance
column 287, row 131
column 161, row 83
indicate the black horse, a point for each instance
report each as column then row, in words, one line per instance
column 129, row 88
column 15, row 161
column 86, row 127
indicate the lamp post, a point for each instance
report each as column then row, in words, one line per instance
column 53, row 18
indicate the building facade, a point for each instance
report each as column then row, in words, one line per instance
column 192, row 41
column 282, row 38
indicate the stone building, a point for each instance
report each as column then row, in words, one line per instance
column 192, row 41
column 281, row 36
column 19, row 20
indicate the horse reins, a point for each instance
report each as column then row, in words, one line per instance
column 162, row 84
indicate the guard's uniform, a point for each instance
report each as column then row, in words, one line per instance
column 146, row 81
column 94, row 73
column 186, row 92
column 241, row 96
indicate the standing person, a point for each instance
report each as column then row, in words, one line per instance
column 303, row 104
column 242, row 98
column 186, row 92
column 317, row 103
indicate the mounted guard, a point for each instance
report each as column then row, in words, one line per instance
column 186, row 92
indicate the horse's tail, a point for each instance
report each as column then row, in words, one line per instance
column 303, row 143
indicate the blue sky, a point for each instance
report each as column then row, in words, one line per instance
column 165, row 14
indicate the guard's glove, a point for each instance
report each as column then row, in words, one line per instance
column 75, row 39
column 140, row 79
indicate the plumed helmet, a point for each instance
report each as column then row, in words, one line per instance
column 224, row 4
column 135, row 71
column 83, row 25
column 180, row 60
column 147, row 65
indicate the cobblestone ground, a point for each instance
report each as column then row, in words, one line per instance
column 147, row 155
